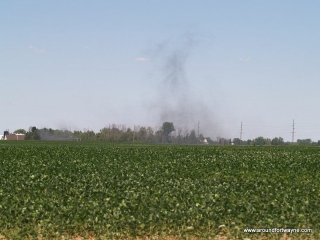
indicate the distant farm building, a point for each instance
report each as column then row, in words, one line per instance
column 12, row 136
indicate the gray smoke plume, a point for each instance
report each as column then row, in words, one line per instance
column 176, row 101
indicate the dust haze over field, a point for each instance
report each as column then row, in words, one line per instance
column 175, row 99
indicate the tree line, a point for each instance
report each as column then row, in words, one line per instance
column 120, row 133
column 167, row 133
column 277, row 141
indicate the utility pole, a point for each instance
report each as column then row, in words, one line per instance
column 198, row 129
column 293, row 131
column 241, row 132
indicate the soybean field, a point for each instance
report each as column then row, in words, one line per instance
column 79, row 190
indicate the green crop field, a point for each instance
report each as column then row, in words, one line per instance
column 61, row 190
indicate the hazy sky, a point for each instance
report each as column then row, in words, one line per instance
column 87, row 64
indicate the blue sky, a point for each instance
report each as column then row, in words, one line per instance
column 87, row 64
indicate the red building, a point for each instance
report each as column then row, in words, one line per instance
column 12, row 136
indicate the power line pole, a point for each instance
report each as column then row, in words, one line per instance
column 293, row 131
column 241, row 132
column 198, row 129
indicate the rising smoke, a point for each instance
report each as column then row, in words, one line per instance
column 176, row 101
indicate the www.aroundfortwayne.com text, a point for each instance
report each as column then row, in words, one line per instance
column 277, row 230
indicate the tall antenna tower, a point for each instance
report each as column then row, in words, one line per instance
column 293, row 131
column 241, row 132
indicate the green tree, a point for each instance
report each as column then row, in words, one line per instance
column 126, row 136
column 236, row 141
column 192, row 137
column 260, row 141
column 142, row 134
column 20, row 131
column 77, row 134
column 167, row 129
column 150, row 133
column 307, row 141
column 88, row 135
column 33, row 134
column 277, row 141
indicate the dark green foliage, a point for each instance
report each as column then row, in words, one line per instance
column 33, row 134
column 20, row 131
column 167, row 129
column 60, row 188
column 277, row 141
column 304, row 141
column 260, row 141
